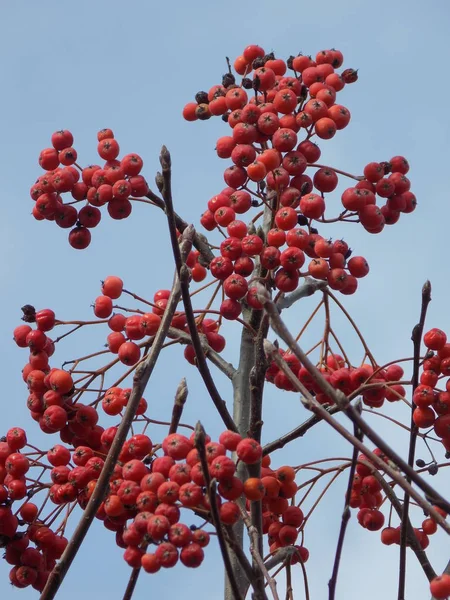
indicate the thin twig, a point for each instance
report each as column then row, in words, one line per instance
column 308, row 288
column 132, row 581
column 345, row 516
column 184, row 275
column 416, row 339
column 199, row 442
column 410, row 535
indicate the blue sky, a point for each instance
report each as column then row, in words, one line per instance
column 132, row 67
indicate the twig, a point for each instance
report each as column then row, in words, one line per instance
column 180, row 399
column 254, row 550
column 184, row 275
column 199, row 240
column 131, row 584
column 199, row 442
column 213, row 356
column 416, row 339
column 411, row 536
column 308, row 288
column 140, row 380
column 299, row 431
column 345, row 516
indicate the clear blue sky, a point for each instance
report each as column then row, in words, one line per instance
column 132, row 67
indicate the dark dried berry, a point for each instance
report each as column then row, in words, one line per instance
column 289, row 62
column 247, row 83
column 302, row 220
column 202, row 112
column 349, row 75
column 258, row 63
column 313, row 230
column 228, row 79
column 433, row 469
column 255, row 203
column 29, row 313
column 225, row 117
column 201, row 98
column 270, row 56
column 420, row 463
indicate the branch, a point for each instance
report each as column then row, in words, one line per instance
column 184, row 275
column 416, row 339
column 140, row 380
column 299, row 431
column 199, row 442
column 340, row 399
column 254, row 550
column 345, row 516
column 132, row 583
column 411, row 536
column 308, row 288
column 214, row 357
column 200, row 242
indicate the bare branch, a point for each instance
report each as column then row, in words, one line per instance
column 213, row 356
column 308, row 288
column 416, row 339
column 199, row 442
column 345, row 516
column 184, row 275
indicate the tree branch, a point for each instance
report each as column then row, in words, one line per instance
column 199, row 442
column 184, row 275
column 416, row 339
column 308, row 288
column 345, row 515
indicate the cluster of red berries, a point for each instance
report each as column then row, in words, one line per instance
column 96, row 186
column 51, row 391
column 432, row 404
column 126, row 331
column 145, row 498
column 265, row 149
column 31, row 564
column 388, row 181
column 367, row 496
column 376, row 384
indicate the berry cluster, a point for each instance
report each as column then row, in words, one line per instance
column 271, row 148
column 112, row 184
column 31, row 565
column 367, row 496
column 373, row 384
column 144, row 502
column 432, row 404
